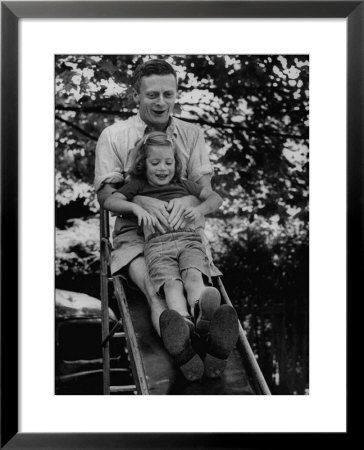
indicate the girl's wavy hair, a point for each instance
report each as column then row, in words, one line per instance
column 138, row 168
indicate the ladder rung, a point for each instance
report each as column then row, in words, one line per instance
column 129, row 388
column 121, row 334
column 112, row 333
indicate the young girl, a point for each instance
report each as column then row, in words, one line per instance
column 176, row 258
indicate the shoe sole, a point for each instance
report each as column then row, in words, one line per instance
column 209, row 302
column 193, row 369
column 224, row 333
column 175, row 335
column 214, row 367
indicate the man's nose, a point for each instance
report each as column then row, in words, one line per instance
column 161, row 100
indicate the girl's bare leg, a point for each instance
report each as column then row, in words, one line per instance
column 175, row 298
column 138, row 272
column 194, row 285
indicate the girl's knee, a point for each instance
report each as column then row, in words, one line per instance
column 173, row 285
column 191, row 277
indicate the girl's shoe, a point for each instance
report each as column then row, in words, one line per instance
column 223, row 335
column 176, row 338
column 191, row 324
column 205, row 309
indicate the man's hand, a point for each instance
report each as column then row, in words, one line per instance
column 177, row 207
column 144, row 218
column 193, row 214
column 156, row 208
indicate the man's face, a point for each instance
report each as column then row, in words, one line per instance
column 156, row 99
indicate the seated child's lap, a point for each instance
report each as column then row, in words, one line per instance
column 167, row 256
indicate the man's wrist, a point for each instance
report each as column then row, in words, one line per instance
column 136, row 200
column 190, row 201
column 200, row 210
column 134, row 207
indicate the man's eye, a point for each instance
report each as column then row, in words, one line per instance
column 151, row 95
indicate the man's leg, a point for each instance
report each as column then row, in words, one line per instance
column 138, row 273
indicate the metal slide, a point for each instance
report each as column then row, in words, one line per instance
column 152, row 369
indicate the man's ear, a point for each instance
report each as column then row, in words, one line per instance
column 136, row 97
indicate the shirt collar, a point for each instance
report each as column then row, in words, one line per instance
column 142, row 126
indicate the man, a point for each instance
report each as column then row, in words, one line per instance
column 155, row 93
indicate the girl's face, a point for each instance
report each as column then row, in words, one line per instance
column 160, row 165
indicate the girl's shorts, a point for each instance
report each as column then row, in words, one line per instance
column 128, row 245
column 169, row 254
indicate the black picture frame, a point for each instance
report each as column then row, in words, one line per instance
column 11, row 12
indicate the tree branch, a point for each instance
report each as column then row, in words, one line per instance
column 232, row 126
column 77, row 128
column 198, row 121
column 92, row 109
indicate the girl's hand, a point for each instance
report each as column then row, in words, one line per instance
column 177, row 208
column 192, row 214
column 144, row 218
column 156, row 208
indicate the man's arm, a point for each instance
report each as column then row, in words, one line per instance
column 152, row 206
column 205, row 181
column 109, row 167
column 119, row 204
column 211, row 201
column 103, row 193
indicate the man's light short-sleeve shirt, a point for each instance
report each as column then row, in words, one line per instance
column 116, row 142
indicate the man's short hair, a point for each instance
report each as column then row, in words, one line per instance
column 151, row 67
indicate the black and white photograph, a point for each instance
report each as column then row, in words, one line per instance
column 181, row 215
column 182, row 224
